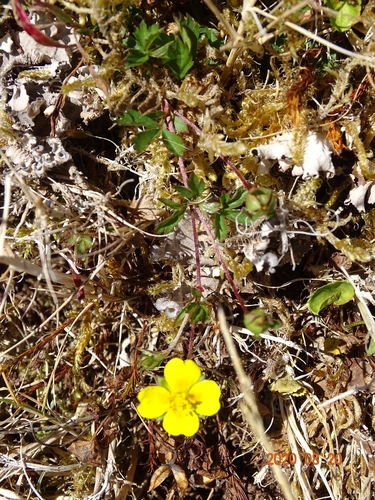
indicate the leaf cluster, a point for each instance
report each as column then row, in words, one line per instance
column 196, row 309
column 154, row 129
column 176, row 51
column 192, row 192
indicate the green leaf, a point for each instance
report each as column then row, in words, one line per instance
column 347, row 13
column 84, row 243
column 133, row 118
column 338, row 293
column 135, row 58
column 173, row 142
column 221, row 228
column 178, row 59
column 239, row 216
column 155, row 115
column 185, row 192
column 169, row 224
column 195, row 185
column 197, row 311
column 186, row 310
column 189, row 39
column 238, row 198
column 371, row 347
column 171, row 204
column 224, row 200
column 145, row 36
column 143, row 139
column 258, row 321
column 261, row 202
column 196, row 293
column 179, row 125
column 161, row 51
column 199, row 314
column 150, row 360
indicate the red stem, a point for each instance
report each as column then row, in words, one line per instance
column 224, row 158
column 222, row 261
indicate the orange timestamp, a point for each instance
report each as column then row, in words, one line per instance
column 307, row 459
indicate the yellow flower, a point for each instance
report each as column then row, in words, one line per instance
column 180, row 398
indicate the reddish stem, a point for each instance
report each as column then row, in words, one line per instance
column 224, row 158
column 222, row 262
column 191, row 342
column 196, row 248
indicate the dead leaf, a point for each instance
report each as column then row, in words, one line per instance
column 180, row 477
column 87, row 452
column 286, row 385
column 159, row 476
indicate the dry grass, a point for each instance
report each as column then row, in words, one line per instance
column 85, row 278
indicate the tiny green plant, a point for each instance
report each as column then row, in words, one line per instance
column 176, row 51
column 348, row 12
column 196, row 309
column 259, row 321
column 154, row 129
column 337, row 293
column 192, row 192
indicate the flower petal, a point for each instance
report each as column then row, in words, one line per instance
column 205, row 395
column 155, row 401
column 181, row 375
column 175, row 424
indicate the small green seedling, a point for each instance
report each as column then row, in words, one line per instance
column 177, row 52
column 196, row 309
column 261, row 203
column 192, row 192
column 337, row 293
column 348, row 12
column 259, row 321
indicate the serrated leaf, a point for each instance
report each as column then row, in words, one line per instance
column 143, row 139
column 189, row 39
column 178, row 59
column 179, row 125
column 133, row 118
column 338, row 293
column 173, row 142
column 84, row 243
column 221, row 228
column 231, row 214
column 196, row 186
column 169, row 224
column 171, row 204
column 145, row 35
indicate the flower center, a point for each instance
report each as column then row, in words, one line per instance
column 181, row 404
